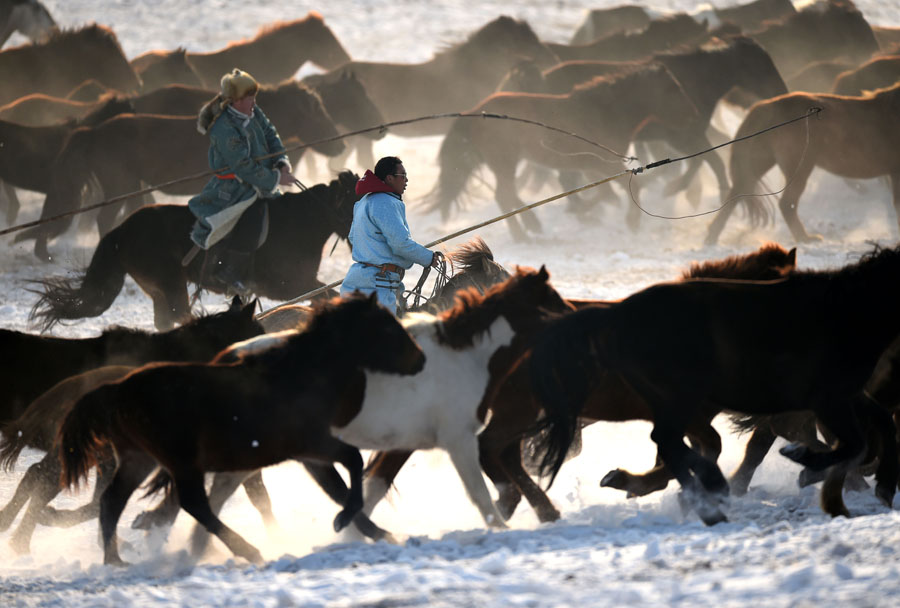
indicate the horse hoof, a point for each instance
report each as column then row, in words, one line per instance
column 795, row 452
column 21, row 546
column 342, row 520
column 808, row 477
column 885, row 495
column 617, row 478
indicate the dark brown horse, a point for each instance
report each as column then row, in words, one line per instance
column 514, row 410
column 403, row 91
column 108, row 357
column 808, row 341
column 849, row 139
column 63, row 62
column 293, row 43
column 266, row 408
column 151, row 243
column 834, row 29
column 122, row 154
column 608, row 110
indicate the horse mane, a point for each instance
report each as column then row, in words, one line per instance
column 771, row 259
column 469, row 254
column 888, row 90
column 278, row 27
column 607, row 86
column 62, row 38
column 473, row 313
column 488, row 33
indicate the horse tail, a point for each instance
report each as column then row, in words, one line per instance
column 745, row 423
column 162, row 481
column 84, row 432
column 565, row 361
column 12, row 444
column 458, row 159
column 88, row 294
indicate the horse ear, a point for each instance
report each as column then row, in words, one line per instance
column 250, row 307
column 542, row 273
column 236, row 303
column 792, row 257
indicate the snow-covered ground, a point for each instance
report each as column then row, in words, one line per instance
column 778, row 548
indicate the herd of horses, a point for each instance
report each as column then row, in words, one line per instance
column 496, row 368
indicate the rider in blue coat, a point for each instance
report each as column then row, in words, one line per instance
column 382, row 247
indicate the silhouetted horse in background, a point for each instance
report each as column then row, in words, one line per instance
column 874, row 74
column 151, row 243
column 117, row 351
column 849, row 139
column 174, row 68
column 403, row 91
column 608, row 110
column 28, row 17
column 122, row 154
column 293, row 43
column 514, row 410
column 190, row 418
column 64, row 61
column 808, row 341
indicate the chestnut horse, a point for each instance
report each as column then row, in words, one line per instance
column 403, row 91
column 269, row 406
column 514, row 410
column 293, row 43
column 849, row 139
column 609, row 110
column 28, row 17
column 151, row 243
column 130, row 150
column 874, row 74
column 174, row 68
column 64, row 61
column 807, row 341
column 117, row 351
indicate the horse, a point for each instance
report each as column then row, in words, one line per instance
column 174, row 68
column 152, row 242
column 514, row 410
column 28, row 17
column 876, row 73
column 65, row 60
column 403, row 91
column 121, row 154
column 660, row 34
column 850, row 140
column 81, row 366
column 267, row 407
column 607, row 109
column 602, row 22
column 834, row 29
column 819, row 76
column 28, row 151
column 807, row 341
column 293, row 42
column 472, row 265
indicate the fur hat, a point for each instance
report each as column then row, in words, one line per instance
column 238, row 84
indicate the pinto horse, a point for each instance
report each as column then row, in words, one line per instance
column 610, row 110
column 265, row 408
column 849, row 139
column 514, row 410
column 28, row 17
column 122, row 154
column 807, row 341
column 95, row 361
column 152, row 242
column 65, row 60
column 292, row 42
column 403, row 91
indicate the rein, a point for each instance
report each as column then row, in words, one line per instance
column 439, row 283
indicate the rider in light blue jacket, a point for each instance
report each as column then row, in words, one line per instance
column 382, row 247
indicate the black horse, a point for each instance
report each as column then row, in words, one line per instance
column 152, row 242
column 694, row 348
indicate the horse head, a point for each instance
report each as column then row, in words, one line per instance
column 323, row 46
column 32, row 19
column 526, row 299
column 173, row 68
column 114, row 105
column 298, row 112
column 347, row 101
column 97, row 46
column 755, row 71
column 509, row 41
column 341, row 196
column 524, row 77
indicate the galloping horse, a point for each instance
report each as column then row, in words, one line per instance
column 28, row 17
column 259, row 411
column 108, row 357
column 121, row 154
column 65, row 60
column 808, row 341
column 876, row 73
column 514, row 410
column 292, row 42
column 151, row 243
column 850, row 139
column 174, row 68
column 609, row 110
column 403, row 91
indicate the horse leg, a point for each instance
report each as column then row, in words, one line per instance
column 192, row 499
column 331, row 481
column 163, row 515
column 758, row 446
column 67, row 518
column 29, row 484
column 327, row 449
column 464, row 455
column 895, row 191
column 886, row 475
column 13, row 205
column 132, row 470
column 223, row 486
column 508, row 491
column 508, row 199
column 511, row 459
column 259, row 498
column 788, row 204
column 380, row 475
